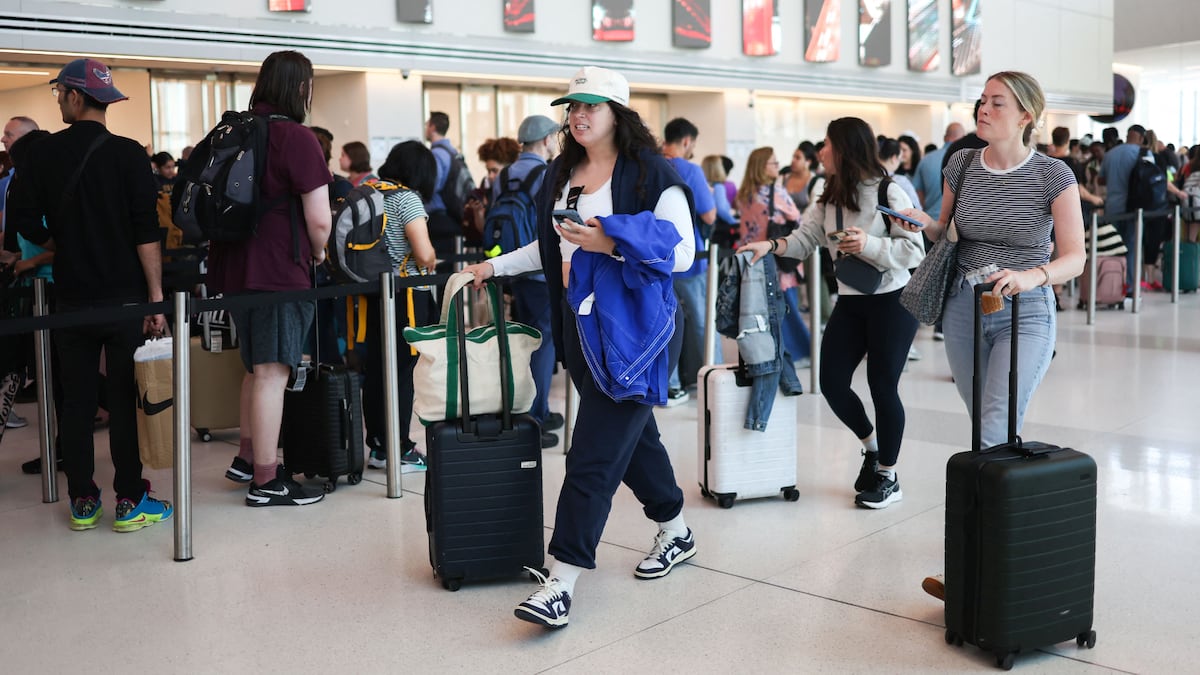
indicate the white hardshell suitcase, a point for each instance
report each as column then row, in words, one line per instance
column 737, row 463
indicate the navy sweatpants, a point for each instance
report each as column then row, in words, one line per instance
column 613, row 443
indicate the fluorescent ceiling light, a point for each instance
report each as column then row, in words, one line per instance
column 31, row 73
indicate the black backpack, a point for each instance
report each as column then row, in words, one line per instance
column 459, row 185
column 1147, row 187
column 217, row 197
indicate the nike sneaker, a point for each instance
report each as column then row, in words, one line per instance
column 132, row 517
column 85, row 512
column 282, row 491
column 547, row 606
column 667, row 552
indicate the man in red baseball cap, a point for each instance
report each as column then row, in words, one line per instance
column 90, row 196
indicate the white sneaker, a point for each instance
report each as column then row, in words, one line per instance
column 15, row 421
column 913, row 354
column 548, row 606
column 676, row 397
column 666, row 553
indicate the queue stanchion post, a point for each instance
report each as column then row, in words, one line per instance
column 814, row 318
column 47, row 426
column 1093, row 245
column 1138, row 252
column 391, row 382
column 183, row 428
column 572, row 410
column 710, row 308
column 1180, row 231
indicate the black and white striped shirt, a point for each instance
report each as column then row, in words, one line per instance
column 402, row 207
column 1004, row 217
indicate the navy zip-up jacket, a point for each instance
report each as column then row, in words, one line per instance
column 655, row 175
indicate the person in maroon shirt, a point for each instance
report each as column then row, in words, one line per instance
column 272, row 336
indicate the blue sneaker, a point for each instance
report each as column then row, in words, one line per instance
column 132, row 517
column 85, row 513
column 667, row 552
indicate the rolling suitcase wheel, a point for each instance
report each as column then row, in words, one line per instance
column 791, row 494
column 1087, row 639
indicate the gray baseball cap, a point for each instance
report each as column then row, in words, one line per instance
column 536, row 127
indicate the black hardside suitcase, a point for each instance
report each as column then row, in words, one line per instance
column 483, row 491
column 322, row 432
column 1020, row 537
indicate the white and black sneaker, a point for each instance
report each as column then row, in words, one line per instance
column 283, row 491
column 866, row 473
column 884, row 493
column 667, row 552
column 240, row 471
column 549, row 605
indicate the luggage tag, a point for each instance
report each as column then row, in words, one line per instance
column 299, row 376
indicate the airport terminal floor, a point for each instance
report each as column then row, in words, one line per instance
column 777, row 587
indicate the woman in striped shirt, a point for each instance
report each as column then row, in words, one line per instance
column 1012, row 199
column 406, row 237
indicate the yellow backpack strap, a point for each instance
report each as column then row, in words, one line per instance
column 361, row 334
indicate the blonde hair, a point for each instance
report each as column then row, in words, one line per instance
column 714, row 169
column 1029, row 96
column 755, row 175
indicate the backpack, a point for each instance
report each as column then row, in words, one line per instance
column 217, row 196
column 458, row 187
column 1147, row 187
column 357, row 252
column 512, row 219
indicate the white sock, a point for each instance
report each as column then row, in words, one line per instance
column 566, row 573
column 675, row 526
column 870, row 443
column 890, row 474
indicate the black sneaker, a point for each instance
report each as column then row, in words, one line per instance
column 549, row 439
column 283, row 491
column 553, row 421
column 240, row 471
column 667, row 552
column 866, row 475
column 884, row 493
column 676, row 397
column 34, row 466
column 548, row 606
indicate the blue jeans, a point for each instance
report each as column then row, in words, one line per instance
column 1036, row 328
column 531, row 306
column 692, row 295
column 796, row 338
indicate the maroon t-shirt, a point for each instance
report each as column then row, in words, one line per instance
column 266, row 262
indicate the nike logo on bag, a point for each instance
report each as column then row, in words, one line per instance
column 155, row 408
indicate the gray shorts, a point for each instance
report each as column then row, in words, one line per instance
column 273, row 333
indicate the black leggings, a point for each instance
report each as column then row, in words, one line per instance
column 876, row 327
column 374, row 414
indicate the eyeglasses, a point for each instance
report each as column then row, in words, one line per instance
column 57, row 91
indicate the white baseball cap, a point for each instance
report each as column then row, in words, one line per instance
column 592, row 84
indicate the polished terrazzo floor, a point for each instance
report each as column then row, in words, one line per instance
column 777, row 587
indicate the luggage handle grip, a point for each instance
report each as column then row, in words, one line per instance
column 456, row 315
column 977, row 385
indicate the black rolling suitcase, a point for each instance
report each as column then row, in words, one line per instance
column 322, row 432
column 1020, row 537
column 483, row 490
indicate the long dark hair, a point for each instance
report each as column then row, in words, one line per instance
column 855, row 158
column 284, row 81
column 915, row 148
column 631, row 138
column 412, row 165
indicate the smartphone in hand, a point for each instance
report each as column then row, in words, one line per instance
column 562, row 215
column 837, row 236
column 896, row 214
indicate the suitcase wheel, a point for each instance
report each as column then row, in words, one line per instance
column 1087, row 639
column 725, row 501
column 353, row 478
column 204, row 434
column 791, row 494
column 953, row 638
column 452, row 584
column 1005, row 660
column 330, row 485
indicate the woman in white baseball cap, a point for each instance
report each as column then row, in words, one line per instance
column 634, row 222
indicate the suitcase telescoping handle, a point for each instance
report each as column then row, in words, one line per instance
column 456, row 315
column 977, row 381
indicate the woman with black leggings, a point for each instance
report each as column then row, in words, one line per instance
column 867, row 322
